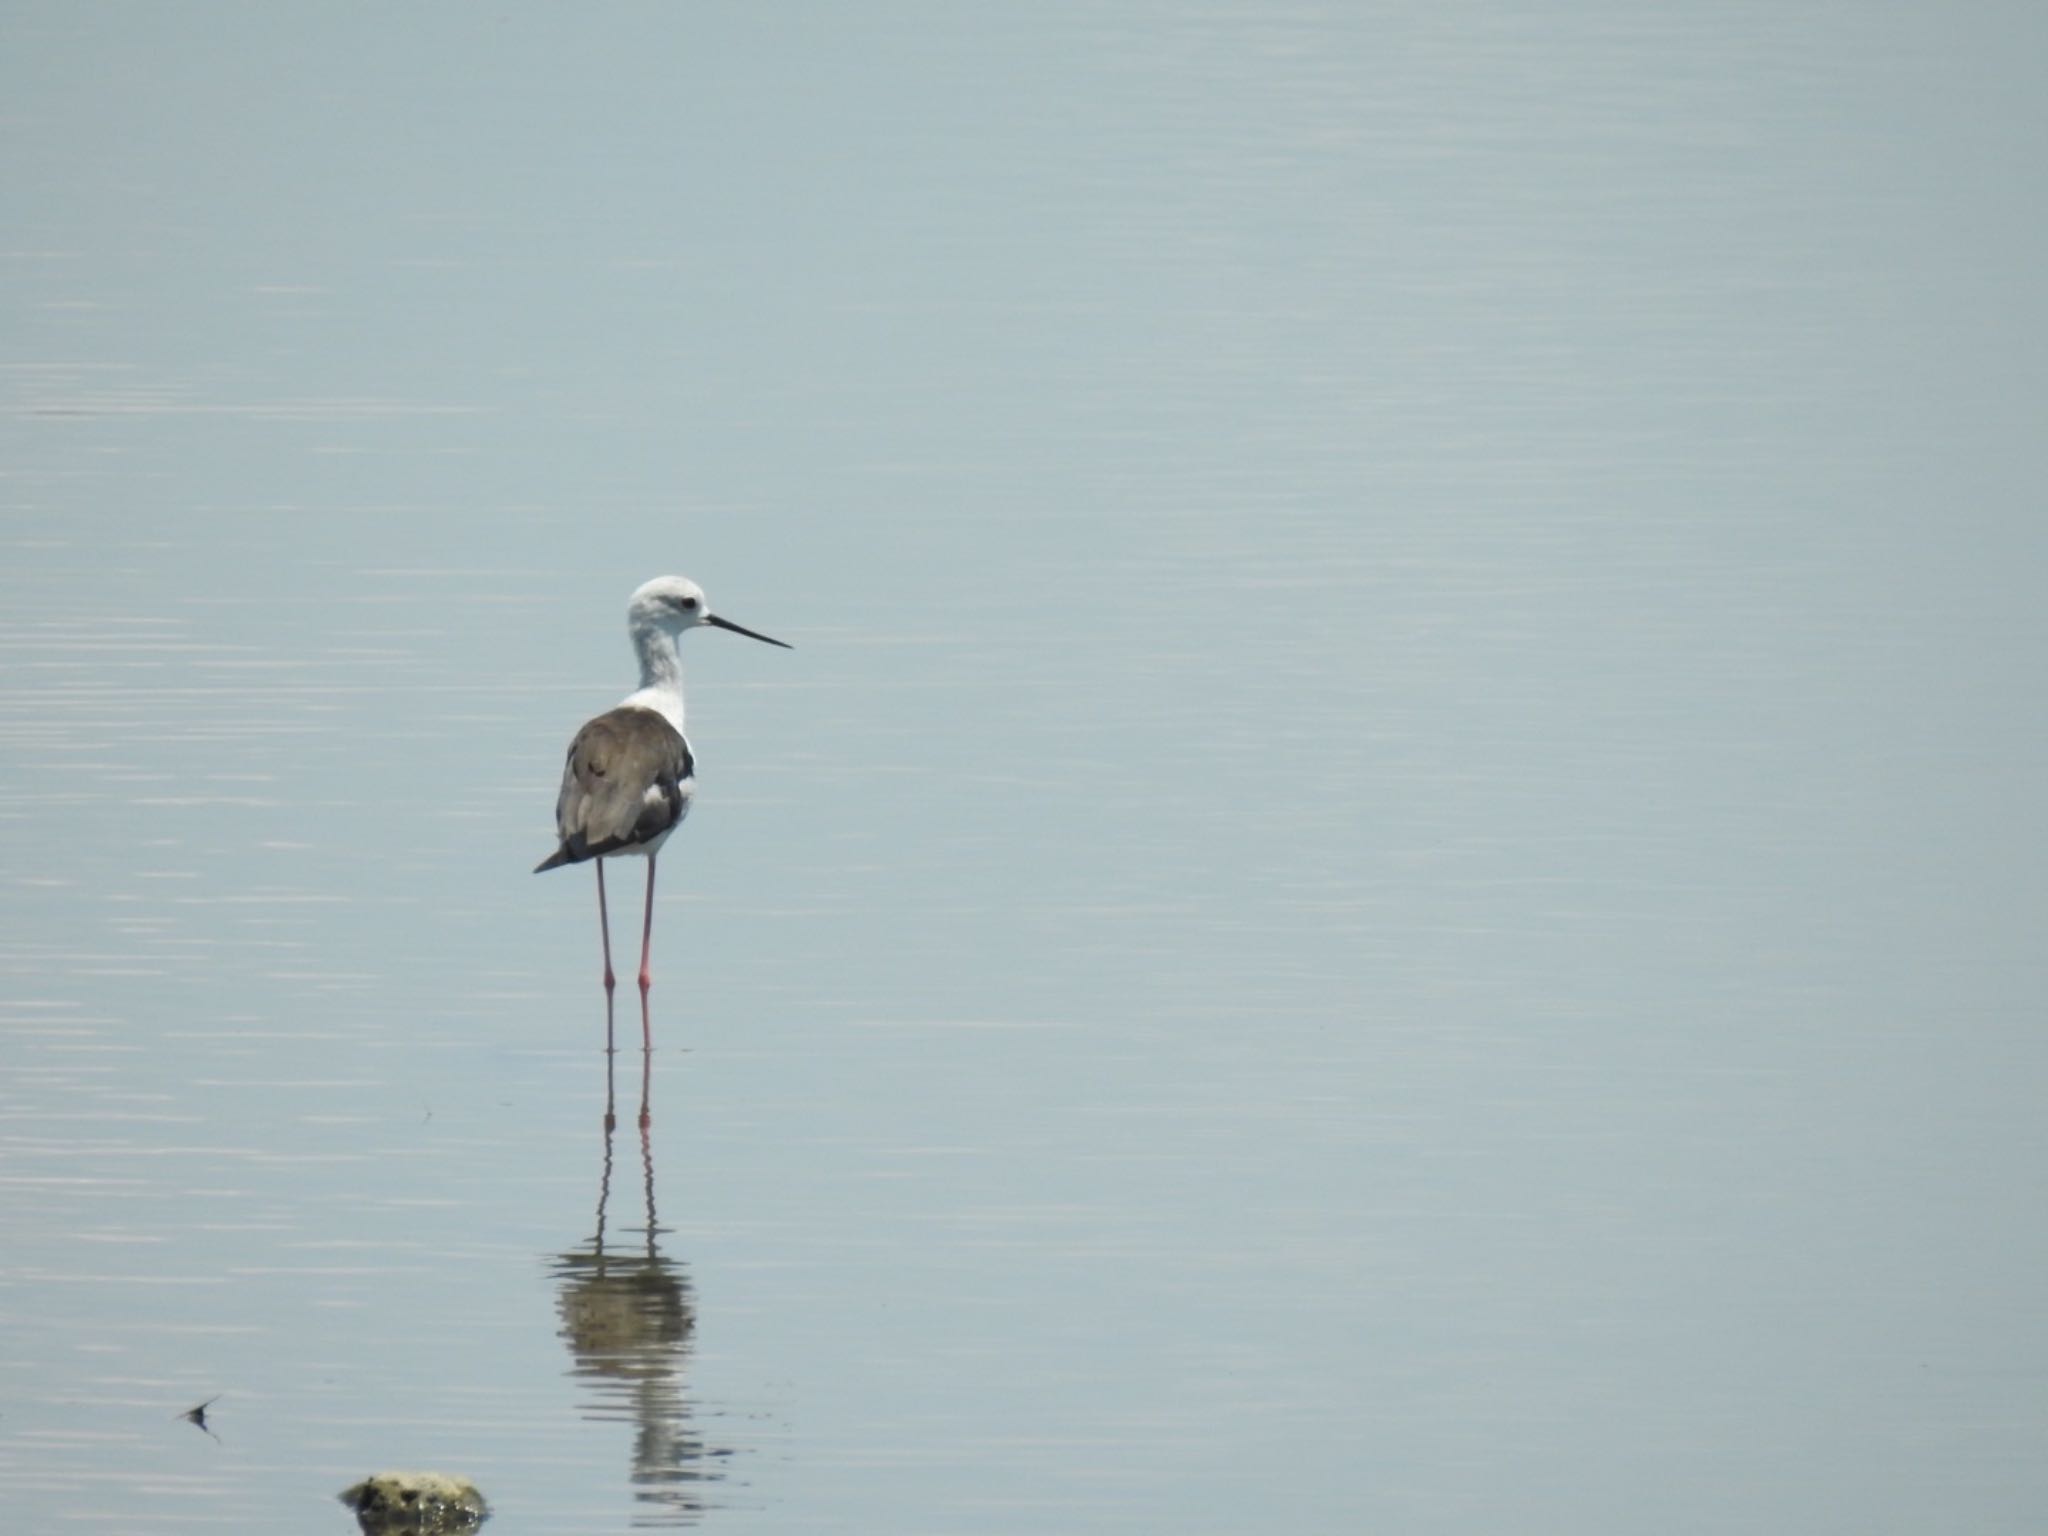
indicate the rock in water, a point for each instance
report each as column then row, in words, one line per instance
column 415, row 1504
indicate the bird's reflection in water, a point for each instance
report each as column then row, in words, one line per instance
column 628, row 1315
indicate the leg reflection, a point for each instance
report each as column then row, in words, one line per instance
column 628, row 1314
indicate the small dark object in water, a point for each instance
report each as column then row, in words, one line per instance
column 415, row 1504
column 198, row 1416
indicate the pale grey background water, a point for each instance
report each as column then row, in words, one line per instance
column 1396, row 884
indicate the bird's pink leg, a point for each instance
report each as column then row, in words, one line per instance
column 647, row 1114
column 611, row 1118
column 647, row 929
column 604, row 926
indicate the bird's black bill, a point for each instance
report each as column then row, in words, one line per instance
column 741, row 629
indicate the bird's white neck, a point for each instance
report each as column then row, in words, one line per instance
column 661, row 675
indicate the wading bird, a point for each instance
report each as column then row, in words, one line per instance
column 629, row 777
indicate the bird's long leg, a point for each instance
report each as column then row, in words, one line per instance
column 611, row 1118
column 647, row 930
column 604, row 926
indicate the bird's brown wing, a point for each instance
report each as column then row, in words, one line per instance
column 622, row 785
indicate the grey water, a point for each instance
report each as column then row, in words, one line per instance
column 1397, row 881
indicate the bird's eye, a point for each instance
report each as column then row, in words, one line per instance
column 689, row 602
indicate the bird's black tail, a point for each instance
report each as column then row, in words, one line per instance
column 555, row 860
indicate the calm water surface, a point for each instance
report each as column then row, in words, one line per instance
column 1396, row 884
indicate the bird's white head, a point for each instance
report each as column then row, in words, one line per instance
column 671, row 604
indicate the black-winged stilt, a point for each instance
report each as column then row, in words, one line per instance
column 629, row 777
